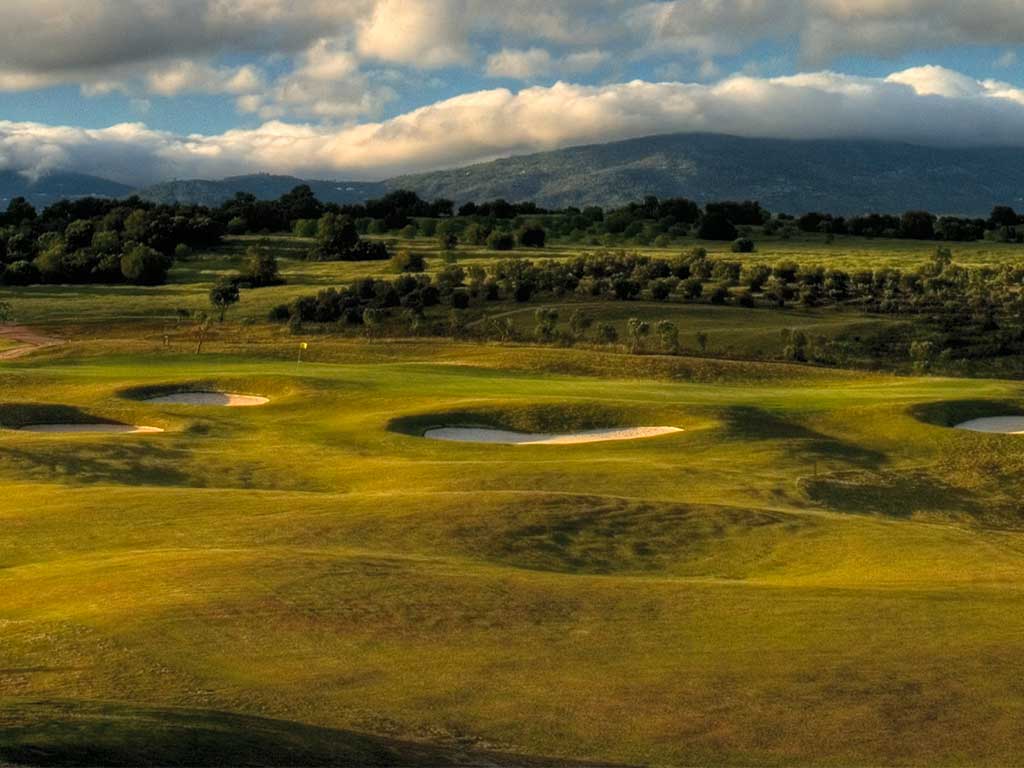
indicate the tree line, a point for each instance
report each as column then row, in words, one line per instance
column 100, row 240
column 959, row 312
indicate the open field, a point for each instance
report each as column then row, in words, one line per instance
column 818, row 570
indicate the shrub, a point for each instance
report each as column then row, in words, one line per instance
column 715, row 226
column 743, row 245
column 21, row 273
column 606, row 332
column 279, row 314
column 501, row 241
column 144, row 266
column 262, row 269
column 406, row 261
column 305, row 228
column 692, row 289
column 660, row 290
column 532, row 236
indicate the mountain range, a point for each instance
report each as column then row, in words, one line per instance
column 836, row 176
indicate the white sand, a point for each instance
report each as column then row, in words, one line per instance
column 105, row 429
column 1001, row 425
column 503, row 437
column 226, row 399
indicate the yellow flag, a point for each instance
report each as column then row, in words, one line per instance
column 304, row 345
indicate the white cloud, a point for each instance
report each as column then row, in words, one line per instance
column 1007, row 60
column 927, row 105
column 190, row 76
column 326, row 83
column 585, row 61
column 519, row 65
column 422, row 33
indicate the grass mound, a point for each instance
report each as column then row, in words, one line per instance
column 600, row 535
column 18, row 415
column 73, row 733
column 953, row 413
column 253, row 386
column 530, row 418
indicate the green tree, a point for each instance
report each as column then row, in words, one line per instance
column 143, row 265
column 335, row 236
column 408, row 261
column 922, row 353
column 796, row 344
column 261, row 268
column 532, row 236
column 606, row 332
column 668, row 333
column 637, row 330
column 224, row 295
column 579, row 323
column 547, row 323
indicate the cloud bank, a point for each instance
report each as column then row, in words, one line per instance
column 928, row 105
column 167, row 47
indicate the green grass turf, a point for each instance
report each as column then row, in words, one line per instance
column 817, row 571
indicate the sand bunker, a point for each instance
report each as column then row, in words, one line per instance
column 104, row 429
column 998, row 425
column 225, row 399
column 503, row 437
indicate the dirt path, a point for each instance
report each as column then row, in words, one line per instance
column 29, row 341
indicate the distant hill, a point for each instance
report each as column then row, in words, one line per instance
column 52, row 187
column 263, row 186
column 834, row 176
column 793, row 176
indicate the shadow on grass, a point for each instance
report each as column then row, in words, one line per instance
column 17, row 415
column 117, row 462
column 529, row 418
column 597, row 535
column 748, row 423
column 100, row 734
column 892, row 493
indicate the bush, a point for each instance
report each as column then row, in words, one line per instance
column 305, row 228
column 262, row 269
column 280, row 314
column 460, row 300
column 181, row 251
column 532, row 236
column 692, row 289
column 715, row 226
column 501, row 241
column 660, row 290
column 743, row 245
column 404, row 261
column 21, row 273
column 144, row 266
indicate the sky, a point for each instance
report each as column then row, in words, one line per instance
column 141, row 91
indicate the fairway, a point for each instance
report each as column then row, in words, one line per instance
column 817, row 558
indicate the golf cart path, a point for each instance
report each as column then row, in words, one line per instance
column 30, row 340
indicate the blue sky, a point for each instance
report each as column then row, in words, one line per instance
column 143, row 89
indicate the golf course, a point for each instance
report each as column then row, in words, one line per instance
column 790, row 564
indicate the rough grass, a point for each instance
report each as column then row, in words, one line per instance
column 817, row 571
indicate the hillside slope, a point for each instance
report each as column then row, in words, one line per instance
column 794, row 176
